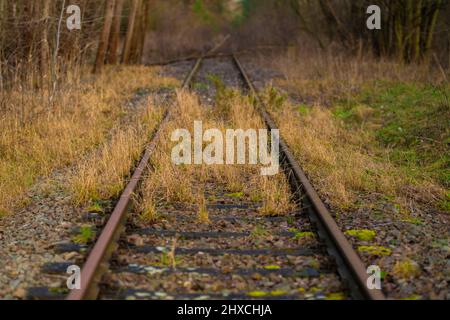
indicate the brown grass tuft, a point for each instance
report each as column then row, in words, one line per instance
column 38, row 137
column 170, row 183
column 343, row 163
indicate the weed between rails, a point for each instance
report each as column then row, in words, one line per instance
column 169, row 183
column 103, row 175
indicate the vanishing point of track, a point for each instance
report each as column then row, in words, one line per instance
column 350, row 267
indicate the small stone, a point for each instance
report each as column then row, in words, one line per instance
column 256, row 276
column 65, row 225
column 20, row 293
column 136, row 240
column 70, row 255
column 227, row 269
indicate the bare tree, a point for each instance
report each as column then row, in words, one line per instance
column 44, row 47
column 408, row 26
column 104, row 37
column 130, row 31
column 115, row 33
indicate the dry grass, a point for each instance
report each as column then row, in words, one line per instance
column 343, row 163
column 186, row 183
column 275, row 194
column 103, row 175
column 37, row 138
column 167, row 182
column 333, row 157
column 324, row 76
column 344, row 159
column 203, row 215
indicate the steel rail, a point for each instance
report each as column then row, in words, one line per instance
column 350, row 265
column 98, row 259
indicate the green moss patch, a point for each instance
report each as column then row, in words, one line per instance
column 335, row 296
column 235, row 195
column 261, row 294
column 272, row 267
column 375, row 250
column 362, row 234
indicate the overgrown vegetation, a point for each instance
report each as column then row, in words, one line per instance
column 168, row 183
column 79, row 120
column 103, row 175
column 369, row 128
column 411, row 121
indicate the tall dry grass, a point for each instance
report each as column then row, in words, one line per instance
column 168, row 183
column 322, row 76
column 103, row 175
column 346, row 163
column 37, row 137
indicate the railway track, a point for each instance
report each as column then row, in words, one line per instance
column 214, row 263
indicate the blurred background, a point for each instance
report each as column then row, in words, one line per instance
column 34, row 39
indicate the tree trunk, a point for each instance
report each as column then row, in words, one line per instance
column 104, row 37
column 44, row 48
column 138, row 34
column 130, row 31
column 417, row 32
column 145, row 26
column 2, row 39
column 430, row 27
column 115, row 33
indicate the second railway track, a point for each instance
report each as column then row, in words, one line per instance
column 222, row 260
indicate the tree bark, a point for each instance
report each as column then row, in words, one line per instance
column 430, row 27
column 3, row 14
column 138, row 34
column 130, row 31
column 145, row 26
column 44, row 48
column 104, row 37
column 115, row 33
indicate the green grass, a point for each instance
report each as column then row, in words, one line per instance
column 410, row 121
column 200, row 86
column 259, row 232
column 96, row 207
column 86, row 235
column 303, row 109
column 261, row 294
column 272, row 267
column 301, row 235
column 335, row 296
column 167, row 261
column 445, row 205
column 413, row 120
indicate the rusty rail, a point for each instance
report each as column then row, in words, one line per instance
column 98, row 259
column 350, row 266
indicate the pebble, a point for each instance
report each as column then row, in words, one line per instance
column 20, row 293
column 70, row 255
